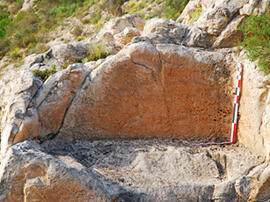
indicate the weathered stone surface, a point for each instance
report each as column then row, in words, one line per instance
column 117, row 25
column 247, row 9
column 255, row 186
column 214, row 21
column 27, row 174
column 140, row 93
column 187, row 12
column 63, row 52
column 41, row 61
column 198, row 38
column 127, row 35
column 28, row 116
column 264, row 185
column 105, row 170
column 59, row 98
column 254, row 109
column 230, row 36
column 166, row 31
column 261, row 7
column 164, row 27
column 16, row 91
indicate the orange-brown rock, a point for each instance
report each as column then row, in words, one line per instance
column 146, row 91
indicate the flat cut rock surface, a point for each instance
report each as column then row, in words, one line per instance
column 160, row 168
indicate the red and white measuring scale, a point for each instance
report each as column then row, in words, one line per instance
column 235, row 111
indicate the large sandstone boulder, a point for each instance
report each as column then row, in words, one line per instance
column 145, row 91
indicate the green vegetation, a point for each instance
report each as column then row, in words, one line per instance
column 169, row 9
column 133, row 7
column 27, row 32
column 97, row 51
column 44, row 74
column 80, row 38
column 195, row 14
column 256, row 31
column 15, row 54
column 173, row 8
column 24, row 30
column 4, row 22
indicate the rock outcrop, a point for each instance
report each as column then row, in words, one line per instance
column 144, row 91
column 166, row 80
column 254, row 122
column 131, row 171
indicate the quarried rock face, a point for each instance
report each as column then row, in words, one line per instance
column 164, row 91
column 145, row 91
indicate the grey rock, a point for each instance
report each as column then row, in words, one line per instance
column 68, row 51
column 18, row 92
column 230, row 36
column 106, row 170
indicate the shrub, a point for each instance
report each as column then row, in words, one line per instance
column 256, row 32
column 44, row 74
column 96, row 18
column 19, row 63
column 89, row 2
column 142, row 4
column 15, row 5
column 39, row 48
column 4, row 22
